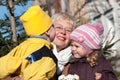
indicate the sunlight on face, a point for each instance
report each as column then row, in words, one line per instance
column 63, row 30
column 78, row 50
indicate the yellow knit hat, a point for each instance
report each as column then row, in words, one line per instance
column 35, row 21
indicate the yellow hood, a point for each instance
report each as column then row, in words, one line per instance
column 35, row 21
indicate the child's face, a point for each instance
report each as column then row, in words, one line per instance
column 51, row 33
column 77, row 50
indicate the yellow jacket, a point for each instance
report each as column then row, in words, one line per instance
column 42, row 69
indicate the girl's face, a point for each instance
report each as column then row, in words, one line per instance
column 78, row 50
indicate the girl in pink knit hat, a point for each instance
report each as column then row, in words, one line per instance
column 85, row 46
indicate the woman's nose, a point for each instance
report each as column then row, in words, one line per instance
column 63, row 31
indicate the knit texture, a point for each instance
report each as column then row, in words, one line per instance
column 88, row 35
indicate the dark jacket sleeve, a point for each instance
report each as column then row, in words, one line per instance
column 106, row 69
column 107, row 75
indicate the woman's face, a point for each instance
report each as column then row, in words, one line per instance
column 78, row 50
column 62, row 37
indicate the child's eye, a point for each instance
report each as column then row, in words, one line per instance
column 71, row 45
column 76, row 46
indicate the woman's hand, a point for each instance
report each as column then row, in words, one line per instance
column 17, row 78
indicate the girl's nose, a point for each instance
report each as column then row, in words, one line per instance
column 73, row 48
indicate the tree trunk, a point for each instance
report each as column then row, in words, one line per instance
column 57, row 4
column 36, row 2
column 12, row 20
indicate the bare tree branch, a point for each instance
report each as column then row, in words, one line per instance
column 81, row 7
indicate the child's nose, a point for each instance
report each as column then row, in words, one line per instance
column 73, row 48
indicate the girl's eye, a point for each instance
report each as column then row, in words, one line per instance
column 76, row 46
column 71, row 45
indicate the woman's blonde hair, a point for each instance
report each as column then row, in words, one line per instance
column 64, row 16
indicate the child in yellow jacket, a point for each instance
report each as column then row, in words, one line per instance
column 33, row 58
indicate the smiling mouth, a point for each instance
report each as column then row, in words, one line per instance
column 61, row 38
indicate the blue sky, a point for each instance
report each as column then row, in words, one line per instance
column 18, row 10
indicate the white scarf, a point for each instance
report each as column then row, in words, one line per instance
column 63, row 57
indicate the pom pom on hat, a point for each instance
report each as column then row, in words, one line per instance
column 88, row 35
column 35, row 21
column 99, row 28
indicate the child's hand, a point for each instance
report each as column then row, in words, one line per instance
column 17, row 78
column 98, row 76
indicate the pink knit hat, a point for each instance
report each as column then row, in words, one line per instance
column 88, row 35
